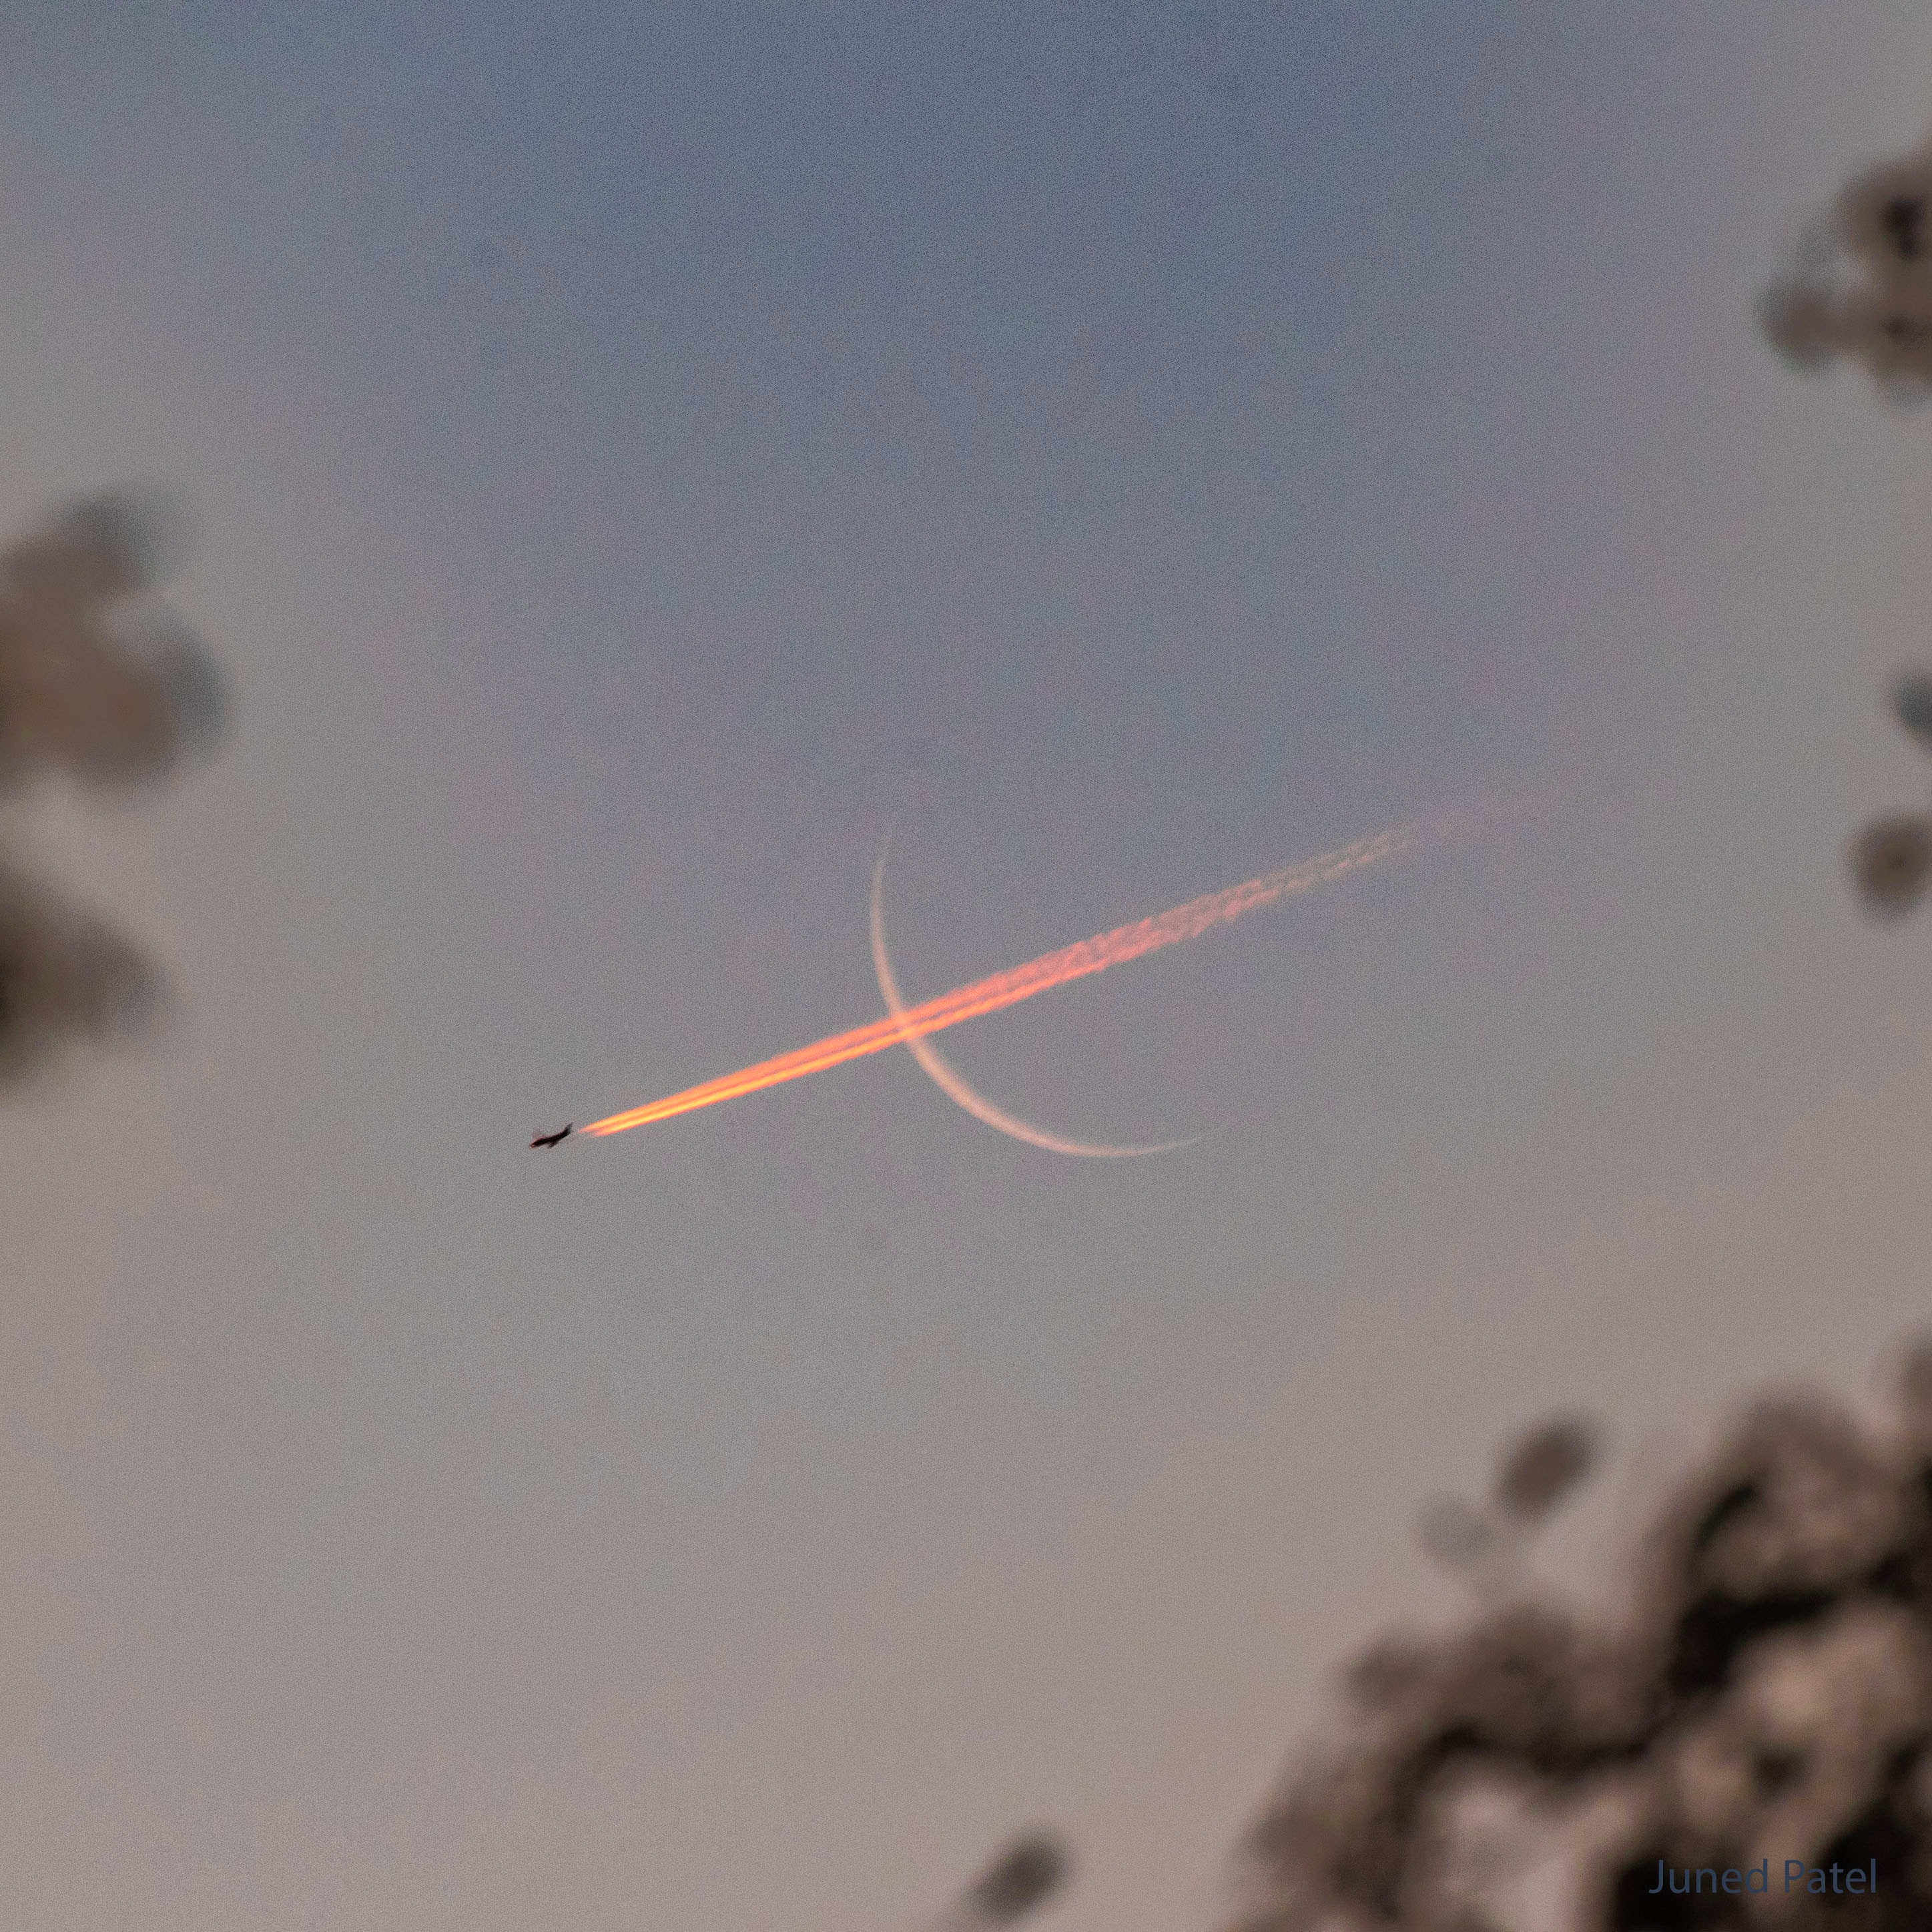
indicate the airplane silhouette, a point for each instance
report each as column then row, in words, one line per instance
column 551, row 1140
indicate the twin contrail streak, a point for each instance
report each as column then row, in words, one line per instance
column 1022, row 982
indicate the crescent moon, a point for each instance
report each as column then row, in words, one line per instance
column 948, row 1078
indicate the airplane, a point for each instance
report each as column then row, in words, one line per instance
column 551, row 1140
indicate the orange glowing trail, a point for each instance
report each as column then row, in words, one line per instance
column 1022, row 982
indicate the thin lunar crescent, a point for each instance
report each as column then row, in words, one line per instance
column 948, row 1078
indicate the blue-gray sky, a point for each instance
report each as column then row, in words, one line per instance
column 638, row 455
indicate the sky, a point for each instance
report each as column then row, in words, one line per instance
column 637, row 457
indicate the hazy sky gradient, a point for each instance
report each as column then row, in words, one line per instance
column 639, row 456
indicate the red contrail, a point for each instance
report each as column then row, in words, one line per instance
column 1022, row 982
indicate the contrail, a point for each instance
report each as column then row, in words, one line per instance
column 1052, row 969
column 952, row 1082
